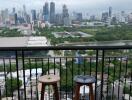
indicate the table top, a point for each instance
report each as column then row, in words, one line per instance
column 84, row 79
column 49, row 79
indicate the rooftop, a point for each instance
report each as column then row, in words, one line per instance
column 22, row 41
column 72, row 34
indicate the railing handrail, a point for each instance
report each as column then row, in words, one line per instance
column 83, row 47
column 64, row 57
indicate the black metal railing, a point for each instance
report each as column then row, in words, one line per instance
column 20, row 68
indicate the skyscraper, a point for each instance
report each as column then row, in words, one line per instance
column 33, row 12
column 110, row 11
column 123, row 13
column 79, row 17
column 24, row 8
column 52, row 12
column 4, row 15
column 105, row 16
column 65, row 16
column 58, row 19
column 46, row 12
column 15, row 18
column 13, row 10
column 24, row 13
column 65, row 11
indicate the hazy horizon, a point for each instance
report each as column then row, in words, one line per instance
column 91, row 6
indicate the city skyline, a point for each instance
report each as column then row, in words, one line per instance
column 48, row 14
column 83, row 6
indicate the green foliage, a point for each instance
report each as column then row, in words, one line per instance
column 47, row 32
column 123, row 32
column 8, row 68
column 6, row 32
column 82, row 52
column 90, row 30
column 111, row 97
column 11, row 85
column 127, row 90
column 73, row 70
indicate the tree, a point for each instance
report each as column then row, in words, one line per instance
column 6, row 32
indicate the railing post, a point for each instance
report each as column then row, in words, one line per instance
column 18, row 85
column 102, row 75
column 0, row 93
column 23, row 64
column 96, row 74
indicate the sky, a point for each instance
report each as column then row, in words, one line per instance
column 73, row 5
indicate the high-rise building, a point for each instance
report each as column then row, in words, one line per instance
column 20, row 17
column 114, row 20
column 33, row 15
column 46, row 12
column 105, row 16
column 15, row 18
column 12, row 19
column 58, row 19
column 13, row 10
column 52, row 12
column 79, row 17
column 0, row 19
column 130, row 18
column 123, row 13
column 40, row 15
column 92, row 18
column 110, row 11
column 28, row 18
column 65, row 16
column 25, row 14
column 24, row 8
column 4, row 16
column 65, row 11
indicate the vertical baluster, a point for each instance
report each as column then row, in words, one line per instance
column 96, row 73
column 90, row 65
column 36, row 66
column 78, row 66
column 130, row 85
column 126, row 65
column 72, row 76
column 48, row 74
column 0, row 93
column 42, row 66
column 11, row 77
column 5, row 72
column 30, row 78
column 84, row 66
column 18, row 85
column 66, row 78
column 48, row 65
column 23, row 64
column 54, row 66
column 109, row 60
column 113, row 80
column 60, row 77
column 102, row 78
column 119, row 79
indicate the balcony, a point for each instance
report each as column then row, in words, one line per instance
column 111, row 65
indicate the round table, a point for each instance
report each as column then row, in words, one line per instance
column 49, row 80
